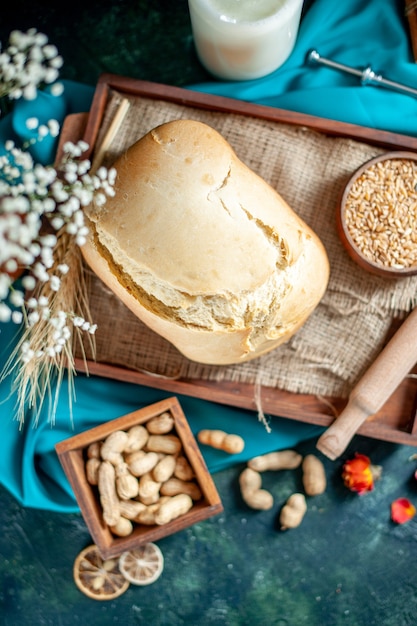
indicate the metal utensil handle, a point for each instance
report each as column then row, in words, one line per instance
column 367, row 75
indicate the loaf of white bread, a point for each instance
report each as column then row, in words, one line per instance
column 202, row 249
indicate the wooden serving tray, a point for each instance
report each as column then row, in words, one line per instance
column 396, row 421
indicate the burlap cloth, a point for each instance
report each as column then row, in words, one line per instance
column 309, row 169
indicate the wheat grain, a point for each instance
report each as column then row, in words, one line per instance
column 381, row 213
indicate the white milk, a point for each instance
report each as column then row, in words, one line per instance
column 244, row 39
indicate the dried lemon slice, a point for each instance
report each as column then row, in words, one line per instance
column 143, row 565
column 97, row 578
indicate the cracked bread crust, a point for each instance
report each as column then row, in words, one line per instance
column 202, row 244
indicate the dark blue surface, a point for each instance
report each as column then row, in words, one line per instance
column 347, row 564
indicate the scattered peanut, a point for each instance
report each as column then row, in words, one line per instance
column 280, row 460
column 126, row 484
column 91, row 470
column 314, row 475
column 93, row 450
column 108, row 495
column 141, row 462
column 113, row 446
column 167, row 444
column 293, row 511
column 164, row 469
column 148, row 489
column 130, row 509
column 233, row 444
column 161, row 424
column 175, row 486
column 173, row 508
column 147, row 516
column 123, row 528
column 250, row 483
column 183, row 469
column 314, row 481
column 137, row 436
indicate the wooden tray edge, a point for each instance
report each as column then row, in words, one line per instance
column 306, row 408
column 211, row 102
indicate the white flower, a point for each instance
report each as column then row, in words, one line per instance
column 51, row 74
column 80, row 240
column 32, row 303
column 85, row 196
column 11, row 266
column 28, row 93
column 83, row 167
column 28, row 282
column 58, row 191
column 26, row 63
column 72, row 228
column 34, row 249
column 16, row 93
column 55, row 283
column 57, row 222
column 39, row 271
column 100, row 199
column 112, row 175
column 17, row 298
column 27, row 356
column 43, row 301
column 43, row 131
column 54, row 128
column 57, row 89
column 102, row 173
column 71, row 177
column 5, row 283
column 5, row 312
column 17, row 317
column 48, row 240
column 32, row 123
column 50, row 51
column 33, row 318
column 47, row 257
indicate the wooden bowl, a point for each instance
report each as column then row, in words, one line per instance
column 377, row 215
column 73, row 455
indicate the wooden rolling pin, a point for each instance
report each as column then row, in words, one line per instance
column 375, row 387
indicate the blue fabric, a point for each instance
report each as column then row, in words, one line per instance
column 29, row 466
column 352, row 32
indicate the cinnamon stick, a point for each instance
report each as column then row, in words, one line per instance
column 110, row 134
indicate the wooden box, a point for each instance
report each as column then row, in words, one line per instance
column 72, row 455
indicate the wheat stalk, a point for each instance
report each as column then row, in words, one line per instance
column 34, row 380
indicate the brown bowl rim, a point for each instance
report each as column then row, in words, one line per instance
column 347, row 241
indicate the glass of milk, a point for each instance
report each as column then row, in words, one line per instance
column 244, row 39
